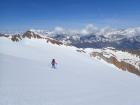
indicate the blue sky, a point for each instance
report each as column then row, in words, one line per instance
column 46, row 14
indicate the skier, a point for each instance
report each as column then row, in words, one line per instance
column 53, row 63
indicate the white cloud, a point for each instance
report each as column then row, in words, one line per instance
column 91, row 29
column 137, row 30
column 59, row 30
column 87, row 30
column 106, row 30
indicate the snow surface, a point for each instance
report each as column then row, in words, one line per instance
column 26, row 77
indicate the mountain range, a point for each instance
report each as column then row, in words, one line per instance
column 120, row 50
column 91, row 37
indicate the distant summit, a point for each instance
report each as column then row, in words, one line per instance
column 89, row 37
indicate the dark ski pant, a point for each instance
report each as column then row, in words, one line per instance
column 53, row 66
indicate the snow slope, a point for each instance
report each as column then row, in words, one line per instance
column 26, row 77
column 127, row 57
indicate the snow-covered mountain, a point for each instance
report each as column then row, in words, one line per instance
column 28, row 79
column 97, row 38
column 123, row 59
column 130, row 62
column 93, row 37
column 30, row 35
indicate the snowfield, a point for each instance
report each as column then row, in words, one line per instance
column 26, row 77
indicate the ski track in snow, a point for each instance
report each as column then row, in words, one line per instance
column 26, row 77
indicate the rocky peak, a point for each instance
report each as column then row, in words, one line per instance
column 30, row 34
